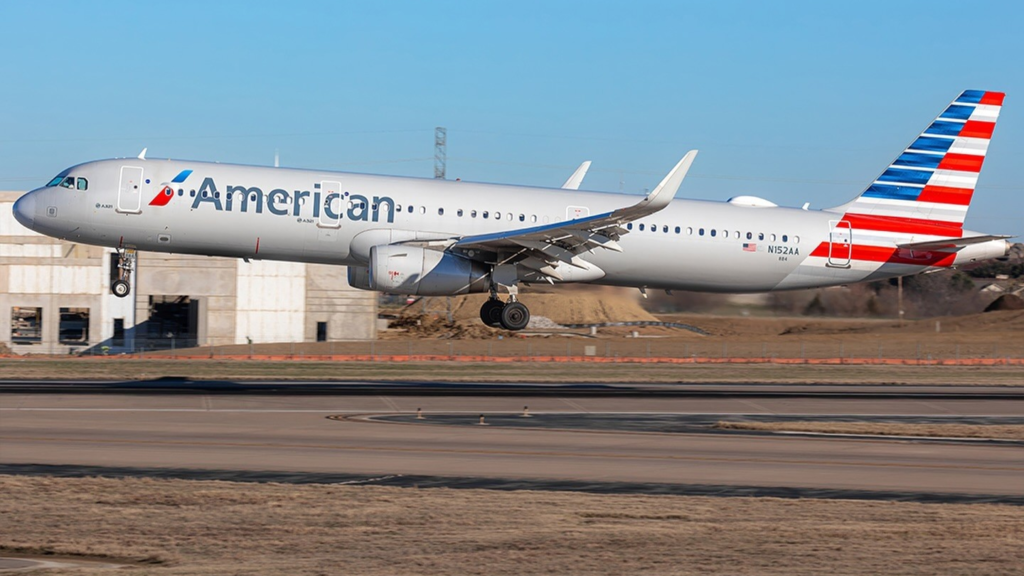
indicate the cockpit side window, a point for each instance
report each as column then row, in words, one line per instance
column 69, row 182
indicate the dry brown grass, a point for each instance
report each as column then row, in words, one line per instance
column 213, row 528
column 115, row 368
column 1008, row 432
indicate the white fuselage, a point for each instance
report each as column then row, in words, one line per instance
column 284, row 214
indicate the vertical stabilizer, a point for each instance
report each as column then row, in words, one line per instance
column 928, row 188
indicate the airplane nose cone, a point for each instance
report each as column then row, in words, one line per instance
column 25, row 210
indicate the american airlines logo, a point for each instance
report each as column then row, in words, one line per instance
column 167, row 191
column 332, row 206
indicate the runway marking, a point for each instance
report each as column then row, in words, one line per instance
column 575, row 405
column 390, row 403
column 551, row 454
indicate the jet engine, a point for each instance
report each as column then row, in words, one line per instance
column 398, row 269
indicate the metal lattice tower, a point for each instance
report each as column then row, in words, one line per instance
column 440, row 152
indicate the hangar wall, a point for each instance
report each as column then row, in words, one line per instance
column 55, row 298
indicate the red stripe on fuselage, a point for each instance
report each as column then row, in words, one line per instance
column 946, row 195
column 888, row 255
column 905, row 225
column 962, row 162
column 977, row 129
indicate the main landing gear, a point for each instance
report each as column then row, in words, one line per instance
column 513, row 315
column 125, row 265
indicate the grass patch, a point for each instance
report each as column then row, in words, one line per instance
column 215, row 528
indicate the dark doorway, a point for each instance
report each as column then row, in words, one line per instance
column 321, row 331
column 173, row 322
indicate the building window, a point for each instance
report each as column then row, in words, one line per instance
column 118, row 339
column 74, row 326
column 26, row 325
column 321, row 331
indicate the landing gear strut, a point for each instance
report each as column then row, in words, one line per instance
column 513, row 315
column 125, row 265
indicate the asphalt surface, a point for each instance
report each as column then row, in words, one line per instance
column 290, row 435
column 180, row 385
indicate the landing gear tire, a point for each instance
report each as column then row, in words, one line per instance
column 490, row 312
column 515, row 316
column 120, row 288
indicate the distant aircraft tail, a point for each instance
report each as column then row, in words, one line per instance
column 926, row 191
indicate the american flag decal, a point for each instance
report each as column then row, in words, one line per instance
column 749, row 247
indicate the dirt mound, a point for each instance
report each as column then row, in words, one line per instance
column 583, row 307
column 434, row 326
column 1006, row 302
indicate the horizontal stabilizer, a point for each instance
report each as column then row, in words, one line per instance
column 951, row 242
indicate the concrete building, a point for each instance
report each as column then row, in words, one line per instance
column 55, row 298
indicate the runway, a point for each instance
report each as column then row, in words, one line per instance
column 289, row 434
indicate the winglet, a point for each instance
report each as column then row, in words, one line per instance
column 666, row 191
column 574, row 181
column 142, row 155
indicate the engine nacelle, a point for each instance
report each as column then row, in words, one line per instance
column 398, row 269
column 359, row 277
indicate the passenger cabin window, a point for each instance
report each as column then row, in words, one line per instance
column 459, row 212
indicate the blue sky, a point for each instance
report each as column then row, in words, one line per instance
column 794, row 101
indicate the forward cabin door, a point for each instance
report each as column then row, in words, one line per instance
column 129, row 191
column 840, row 243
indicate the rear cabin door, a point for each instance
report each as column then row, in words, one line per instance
column 840, row 245
column 129, row 191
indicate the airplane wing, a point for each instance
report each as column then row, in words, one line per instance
column 574, row 181
column 948, row 243
column 543, row 248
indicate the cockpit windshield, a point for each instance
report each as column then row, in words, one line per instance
column 70, row 182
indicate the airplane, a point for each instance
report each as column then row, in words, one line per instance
column 415, row 236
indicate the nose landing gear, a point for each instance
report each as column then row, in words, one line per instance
column 125, row 265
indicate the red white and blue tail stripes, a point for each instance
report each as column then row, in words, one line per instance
column 927, row 189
